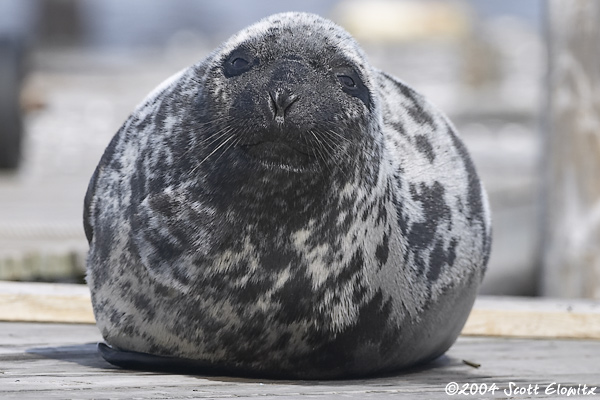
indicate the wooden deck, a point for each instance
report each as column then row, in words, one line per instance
column 59, row 360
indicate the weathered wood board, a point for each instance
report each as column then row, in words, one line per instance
column 45, row 302
column 534, row 318
column 52, row 361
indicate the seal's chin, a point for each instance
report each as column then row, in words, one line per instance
column 278, row 155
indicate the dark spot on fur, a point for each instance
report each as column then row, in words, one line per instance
column 382, row 212
column 474, row 189
column 365, row 215
column 398, row 127
column 435, row 212
column 143, row 303
column 180, row 273
column 355, row 265
column 424, row 146
column 373, row 334
column 419, row 115
column 451, row 253
column 437, row 259
column 474, row 196
column 359, row 294
column 252, row 290
column 276, row 259
column 383, row 250
column 295, row 304
column 415, row 110
column 164, row 291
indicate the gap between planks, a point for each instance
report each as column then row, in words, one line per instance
column 491, row 315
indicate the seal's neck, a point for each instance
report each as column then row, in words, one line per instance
column 281, row 200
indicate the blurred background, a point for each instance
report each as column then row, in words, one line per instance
column 71, row 71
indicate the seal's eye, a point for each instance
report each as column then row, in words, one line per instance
column 238, row 62
column 352, row 84
column 347, row 81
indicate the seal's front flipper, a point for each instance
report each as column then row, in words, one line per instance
column 148, row 362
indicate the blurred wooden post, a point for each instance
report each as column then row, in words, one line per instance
column 571, row 248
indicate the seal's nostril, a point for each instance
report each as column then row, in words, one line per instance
column 281, row 102
column 273, row 98
column 292, row 98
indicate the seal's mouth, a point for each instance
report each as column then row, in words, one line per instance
column 278, row 155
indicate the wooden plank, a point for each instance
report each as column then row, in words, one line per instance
column 45, row 302
column 534, row 318
column 491, row 316
column 60, row 361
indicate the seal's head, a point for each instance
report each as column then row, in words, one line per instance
column 290, row 92
column 267, row 131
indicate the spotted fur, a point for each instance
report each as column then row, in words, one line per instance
column 359, row 254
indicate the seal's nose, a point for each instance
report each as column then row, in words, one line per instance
column 281, row 100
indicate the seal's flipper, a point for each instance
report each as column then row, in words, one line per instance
column 148, row 362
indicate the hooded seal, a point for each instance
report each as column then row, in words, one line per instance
column 284, row 209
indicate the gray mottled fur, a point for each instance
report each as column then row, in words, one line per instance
column 365, row 260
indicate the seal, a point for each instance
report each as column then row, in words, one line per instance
column 284, row 209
